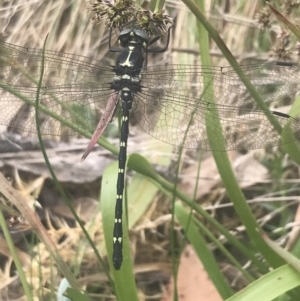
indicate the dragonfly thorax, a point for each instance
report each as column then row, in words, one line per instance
column 130, row 61
column 129, row 65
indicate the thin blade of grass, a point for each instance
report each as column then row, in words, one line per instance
column 292, row 148
column 16, row 199
column 204, row 254
column 102, row 141
column 221, row 158
column 270, row 286
column 143, row 166
column 294, row 29
column 15, row 257
column 65, row 271
column 287, row 256
column 223, row 249
column 228, row 55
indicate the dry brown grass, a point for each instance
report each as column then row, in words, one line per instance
column 27, row 23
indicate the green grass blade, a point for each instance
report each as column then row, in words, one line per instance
column 293, row 28
column 221, row 158
column 292, row 148
column 65, row 270
column 141, row 192
column 204, row 254
column 142, row 166
column 270, row 286
column 228, row 55
column 15, row 257
column 287, row 256
column 102, row 141
column 76, row 295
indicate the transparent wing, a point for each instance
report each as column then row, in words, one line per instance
column 174, row 102
column 74, row 88
column 171, row 107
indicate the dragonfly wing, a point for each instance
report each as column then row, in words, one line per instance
column 175, row 103
column 75, row 89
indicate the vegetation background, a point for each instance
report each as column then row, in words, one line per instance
column 268, row 178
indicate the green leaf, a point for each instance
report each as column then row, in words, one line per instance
column 141, row 193
column 142, row 166
column 221, row 158
column 75, row 295
column 270, row 286
column 293, row 148
column 287, row 256
column 203, row 252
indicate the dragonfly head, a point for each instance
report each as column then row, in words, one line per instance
column 133, row 36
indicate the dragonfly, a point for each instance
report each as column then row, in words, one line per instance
column 170, row 102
